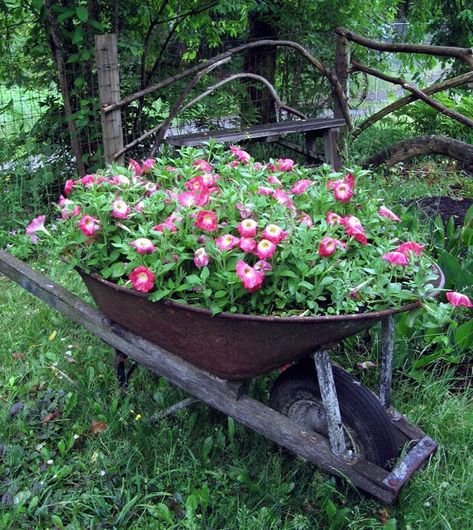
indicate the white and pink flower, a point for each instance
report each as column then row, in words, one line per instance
column 120, row 209
column 68, row 187
column 247, row 228
column 354, row 228
column 274, row 233
column 227, row 242
column 329, row 245
column 142, row 279
column 265, row 249
column 143, row 245
column 247, row 244
column 135, row 166
column 89, row 225
column 201, row 258
column 334, row 218
column 206, row 220
column 252, row 279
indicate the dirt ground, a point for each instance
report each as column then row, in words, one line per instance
column 446, row 207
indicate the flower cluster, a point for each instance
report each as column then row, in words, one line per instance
column 218, row 229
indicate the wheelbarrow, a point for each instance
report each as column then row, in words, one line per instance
column 316, row 410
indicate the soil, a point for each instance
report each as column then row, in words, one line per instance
column 445, row 206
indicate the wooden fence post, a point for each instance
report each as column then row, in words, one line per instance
column 106, row 52
column 342, row 63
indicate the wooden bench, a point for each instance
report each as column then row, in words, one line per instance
column 312, row 129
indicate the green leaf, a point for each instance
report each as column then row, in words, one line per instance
column 464, row 335
column 82, row 13
column 161, row 512
column 77, row 36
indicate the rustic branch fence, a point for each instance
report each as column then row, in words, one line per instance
column 339, row 78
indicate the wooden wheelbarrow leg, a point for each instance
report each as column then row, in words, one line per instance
column 209, row 389
column 123, row 375
column 328, row 393
column 387, row 352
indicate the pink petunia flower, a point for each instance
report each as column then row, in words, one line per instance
column 89, row 225
column 148, row 164
column 258, row 166
column 333, row 218
column 285, row 164
column 195, row 184
column 140, row 206
column 142, row 279
column 328, row 246
column 410, row 246
column 202, row 165
column 69, row 209
column 262, row 265
column 242, row 156
column 252, row 279
column 209, row 179
column 386, row 212
column 201, row 258
column 247, row 228
column 300, row 186
column 150, row 187
column 265, row 190
column 247, row 244
column 245, row 211
column 227, row 242
column 272, row 179
column 36, row 225
column 283, row 198
column 133, row 165
column 120, row 209
column 187, row 199
column 306, row 219
column 354, row 228
column 120, row 180
column 396, row 258
column 350, row 180
column 274, row 233
column 342, row 191
column 68, row 187
column 265, row 249
column 143, row 245
column 87, row 180
column 458, row 299
column 165, row 226
column 206, row 220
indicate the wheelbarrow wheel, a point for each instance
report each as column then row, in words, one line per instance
column 368, row 431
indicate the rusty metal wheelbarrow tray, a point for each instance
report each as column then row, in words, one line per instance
column 230, row 346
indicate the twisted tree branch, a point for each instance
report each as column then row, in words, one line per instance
column 466, row 54
column 433, row 89
column 412, row 88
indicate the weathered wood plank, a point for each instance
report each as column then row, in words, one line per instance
column 331, row 148
column 106, row 53
column 259, row 131
column 387, row 352
column 262, row 419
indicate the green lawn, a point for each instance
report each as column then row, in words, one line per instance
column 196, row 469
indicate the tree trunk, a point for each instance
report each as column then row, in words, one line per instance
column 262, row 61
column 424, row 145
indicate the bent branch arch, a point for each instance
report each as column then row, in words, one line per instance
column 424, row 145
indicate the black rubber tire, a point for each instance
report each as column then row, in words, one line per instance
column 360, row 409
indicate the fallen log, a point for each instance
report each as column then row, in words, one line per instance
column 421, row 146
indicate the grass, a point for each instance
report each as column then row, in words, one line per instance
column 196, row 469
